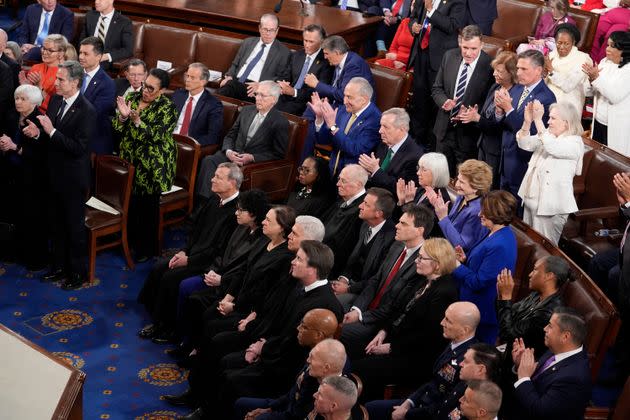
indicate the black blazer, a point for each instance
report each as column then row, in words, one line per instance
column 276, row 65
column 68, row 148
column 7, row 123
column 270, row 140
column 403, row 165
column 121, row 85
column 14, row 69
column 119, row 37
column 446, row 21
column 359, row 273
column 383, row 313
column 320, row 68
column 475, row 94
column 207, row 119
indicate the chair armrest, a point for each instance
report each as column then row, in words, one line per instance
column 514, row 41
column 608, row 212
column 596, row 413
column 274, row 177
column 207, row 150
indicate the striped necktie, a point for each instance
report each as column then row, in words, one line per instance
column 101, row 28
column 522, row 98
column 460, row 90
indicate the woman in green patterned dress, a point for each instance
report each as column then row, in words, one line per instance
column 145, row 124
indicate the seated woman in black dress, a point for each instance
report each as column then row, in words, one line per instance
column 411, row 338
column 314, row 191
column 526, row 318
column 24, row 159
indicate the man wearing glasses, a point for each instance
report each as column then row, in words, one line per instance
column 258, row 58
column 135, row 75
column 260, row 133
column 41, row 19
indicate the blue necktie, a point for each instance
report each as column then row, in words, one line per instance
column 251, row 64
column 459, row 91
column 86, row 82
column 344, row 4
column 44, row 32
column 337, row 73
column 300, row 80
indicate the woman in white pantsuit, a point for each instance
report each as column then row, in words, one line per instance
column 547, row 188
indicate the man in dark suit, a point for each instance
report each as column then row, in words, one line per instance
column 559, row 384
column 135, row 75
column 100, row 90
column 342, row 222
column 310, row 60
column 347, row 64
column 375, row 238
column 482, row 14
column 373, row 306
column 7, row 125
column 435, row 25
column 463, row 80
column 352, row 129
column 258, row 59
column 114, row 29
column 200, row 113
column 13, row 65
column 213, row 225
column 397, row 156
column 510, row 110
column 67, row 128
column 260, row 133
column 41, row 19
column 393, row 11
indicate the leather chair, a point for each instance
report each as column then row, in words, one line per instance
column 138, row 40
column 392, row 87
column 114, row 177
column 217, row 51
column 231, row 109
column 79, row 23
column 176, row 206
column 597, row 202
column 174, row 45
column 618, row 412
column 277, row 177
column 492, row 46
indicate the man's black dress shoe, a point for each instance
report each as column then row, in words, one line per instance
column 164, row 337
column 142, row 259
column 73, row 282
column 149, row 331
column 186, row 399
column 195, row 415
column 52, row 275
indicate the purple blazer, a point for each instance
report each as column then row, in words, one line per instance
column 463, row 227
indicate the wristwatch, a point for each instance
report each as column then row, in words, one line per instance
column 334, row 127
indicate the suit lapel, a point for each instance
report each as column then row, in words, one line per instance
column 200, row 104
column 93, row 82
column 70, row 114
column 112, row 25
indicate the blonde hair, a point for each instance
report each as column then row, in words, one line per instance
column 569, row 113
column 442, row 252
column 478, row 173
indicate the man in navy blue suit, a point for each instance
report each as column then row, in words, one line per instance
column 347, row 66
column 352, row 129
column 41, row 19
column 514, row 160
column 100, row 90
column 482, row 14
column 559, row 384
column 200, row 113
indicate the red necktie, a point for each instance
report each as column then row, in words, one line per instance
column 187, row 116
column 396, row 7
column 377, row 299
column 424, row 44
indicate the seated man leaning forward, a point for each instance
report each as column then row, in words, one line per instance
column 260, row 133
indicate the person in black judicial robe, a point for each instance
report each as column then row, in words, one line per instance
column 67, row 129
column 212, row 227
column 314, row 192
column 458, row 142
column 446, row 19
column 14, row 67
column 295, row 94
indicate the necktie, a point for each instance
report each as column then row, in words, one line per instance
column 251, row 64
column 86, row 82
column 348, row 126
column 426, row 26
column 254, row 127
column 368, row 233
column 44, row 32
column 377, row 299
column 187, row 116
column 344, row 4
column 459, row 90
column 60, row 112
column 522, row 98
column 300, row 80
column 101, row 28
column 397, row 7
column 387, row 160
column 544, row 367
column 337, row 73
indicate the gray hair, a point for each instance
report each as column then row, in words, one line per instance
column 535, row 57
column 471, row 31
column 487, row 394
column 344, row 386
column 438, row 165
column 313, row 227
column 137, row 62
column 356, row 173
column 401, row 118
column 569, row 113
column 335, row 43
column 235, row 174
column 274, row 88
column 205, row 73
column 17, row 51
column 74, row 69
column 365, row 88
column 270, row 17
column 32, row 93
column 571, row 321
column 60, row 41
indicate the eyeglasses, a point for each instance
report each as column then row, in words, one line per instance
column 261, row 95
column 304, row 170
column 268, row 30
column 49, row 50
column 149, row 88
column 136, row 75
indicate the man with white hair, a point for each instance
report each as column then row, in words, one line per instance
column 13, row 65
column 351, row 129
column 334, row 399
column 260, row 133
column 305, row 228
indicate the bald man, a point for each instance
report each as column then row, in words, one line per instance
column 334, row 399
column 481, row 401
column 327, row 358
column 459, row 326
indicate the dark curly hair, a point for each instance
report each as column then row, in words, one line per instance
column 621, row 41
column 255, row 202
column 569, row 29
column 323, row 184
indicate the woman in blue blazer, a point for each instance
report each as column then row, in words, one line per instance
column 477, row 278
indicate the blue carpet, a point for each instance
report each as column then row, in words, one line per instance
column 95, row 329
